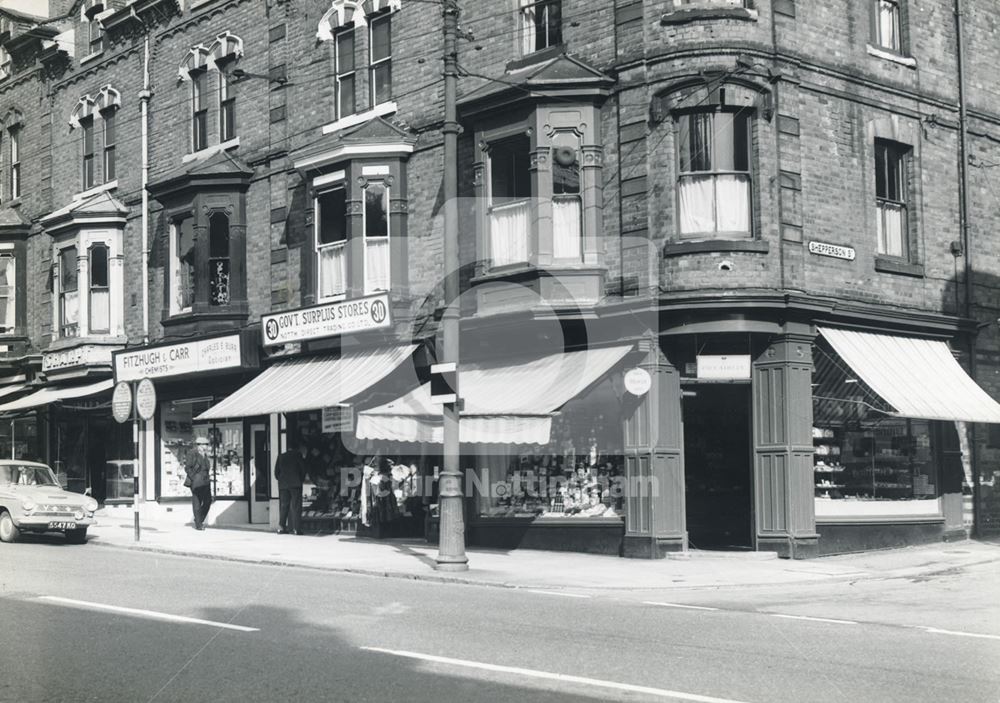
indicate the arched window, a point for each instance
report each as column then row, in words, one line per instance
column 219, row 292
column 100, row 291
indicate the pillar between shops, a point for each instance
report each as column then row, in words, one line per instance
column 654, row 465
column 784, row 488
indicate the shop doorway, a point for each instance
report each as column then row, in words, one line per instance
column 260, row 482
column 718, row 466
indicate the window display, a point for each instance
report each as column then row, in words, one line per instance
column 178, row 432
column 577, row 474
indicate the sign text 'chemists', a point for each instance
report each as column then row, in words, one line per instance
column 327, row 320
column 176, row 359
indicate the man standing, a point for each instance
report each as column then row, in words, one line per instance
column 290, row 470
column 198, row 471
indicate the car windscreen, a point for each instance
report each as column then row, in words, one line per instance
column 18, row 475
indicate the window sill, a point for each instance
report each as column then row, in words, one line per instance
column 698, row 14
column 16, row 202
column 209, row 150
column 380, row 110
column 535, row 57
column 110, row 185
column 888, row 264
column 712, row 245
column 889, row 55
column 91, row 57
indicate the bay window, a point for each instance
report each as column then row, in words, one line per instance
column 540, row 24
column 331, row 242
column 69, row 293
column 714, row 182
column 509, row 201
column 181, row 265
column 100, row 290
column 380, row 64
column 218, row 259
column 890, row 198
column 8, row 293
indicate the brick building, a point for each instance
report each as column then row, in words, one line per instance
column 715, row 247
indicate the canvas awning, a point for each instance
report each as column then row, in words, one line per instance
column 918, row 378
column 507, row 401
column 44, row 396
column 310, row 383
column 12, row 389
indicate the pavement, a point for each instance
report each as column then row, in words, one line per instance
column 535, row 569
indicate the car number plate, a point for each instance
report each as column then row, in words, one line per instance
column 62, row 525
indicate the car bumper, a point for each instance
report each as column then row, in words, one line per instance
column 34, row 523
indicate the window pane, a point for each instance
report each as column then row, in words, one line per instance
column 109, row 164
column 376, row 265
column 510, row 177
column 732, row 203
column 382, row 83
column 376, row 211
column 345, row 52
column 7, row 293
column 99, row 267
column 346, row 101
column 381, row 42
column 697, row 205
column 218, row 282
column 696, row 142
column 184, row 264
column 888, row 24
column 741, row 142
column 15, row 145
column 68, row 269
column 218, row 235
column 332, row 271
column 88, row 137
column 332, row 214
column 100, row 310
column 109, row 127
column 565, row 173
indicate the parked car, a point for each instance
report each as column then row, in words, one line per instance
column 31, row 500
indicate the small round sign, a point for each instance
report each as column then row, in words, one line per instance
column 121, row 402
column 145, row 399
column 638, row 381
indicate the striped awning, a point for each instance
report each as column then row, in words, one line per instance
column 918, row 378
column 508, row 401
column 44, row 396
column 310, row 383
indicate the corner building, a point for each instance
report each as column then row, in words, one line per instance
column 720, row 286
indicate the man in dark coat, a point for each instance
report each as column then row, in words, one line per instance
column 198, row 470
column 290, row 470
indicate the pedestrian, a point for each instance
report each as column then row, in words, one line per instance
column 198, row 470
column 290, row 470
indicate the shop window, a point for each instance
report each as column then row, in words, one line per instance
column 886, row 25
column 89, row 173
column 345, row 73
column 891, row 184
column 714, row 183
column 100, row 292
column 331, row 242
column 218, row 260
column 178, row 434
column 8, row 293
column 69, row 293
column 199, row 110
column 509, row 201
column 181, row 265
column 376, row 238
column 227, row 103
column 15, row 163
column 380, row 64
column 110, row 162
column 540, row 24
column 567, row 205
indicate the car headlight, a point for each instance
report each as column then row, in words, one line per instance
column 90, row 506
column 27, row 505
column 78, row 514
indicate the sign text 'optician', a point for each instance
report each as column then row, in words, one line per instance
column 326, row 320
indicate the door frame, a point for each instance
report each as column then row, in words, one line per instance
column 258, row 511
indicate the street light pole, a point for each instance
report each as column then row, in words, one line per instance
column 451, row 496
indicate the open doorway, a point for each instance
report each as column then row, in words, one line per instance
column 718, row 466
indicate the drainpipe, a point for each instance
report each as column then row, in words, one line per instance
column 963, row 175
column 144, row 97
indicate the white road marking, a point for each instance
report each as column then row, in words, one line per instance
column 564, row 678
column 936, row 631
column 812, row 619
column 677, row 605
column 557, row 593
column 144, row 613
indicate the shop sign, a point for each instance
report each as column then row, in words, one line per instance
column 84, row 355
column 176, row 359
column 339, row 418
column 327, row 320
column 834, row 250
column 724, row 367
column 145, row 399
column 638, row 381
column 121, row 402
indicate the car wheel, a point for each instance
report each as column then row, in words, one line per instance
column 77, row 536
column 8, row 530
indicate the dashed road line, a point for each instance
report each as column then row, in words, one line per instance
column 811, row 618
column 956, row 633
column 557, row 593
column 678, row 605
column 140, row 613
column 551, row 676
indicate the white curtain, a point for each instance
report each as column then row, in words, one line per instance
column 376, row 264
column 332, row 270
column 70, row 309
column 7, row 295
column 732, row 203
column 888, row 12
column 527, row 27
column 509, row 233
column 566, row 229
column 696, row 205
column 100, row 311
column 890, row 229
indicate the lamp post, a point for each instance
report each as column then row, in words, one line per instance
column 451, row 496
